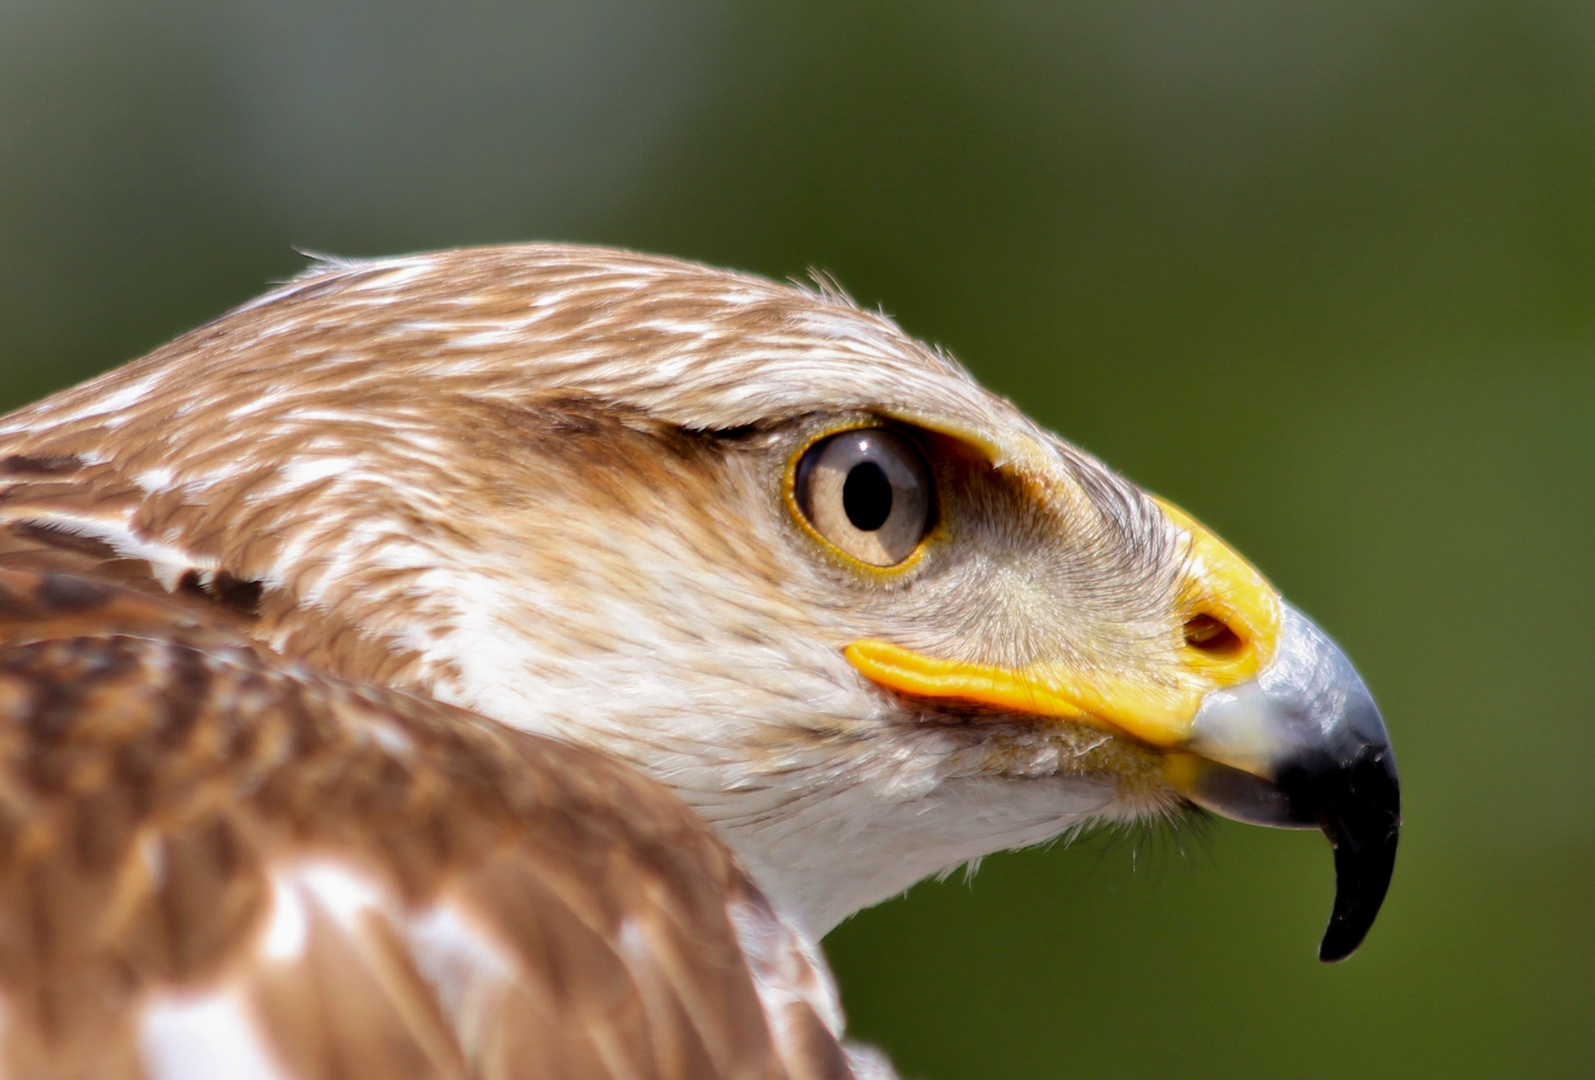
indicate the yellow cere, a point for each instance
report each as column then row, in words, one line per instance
column 1220, row 584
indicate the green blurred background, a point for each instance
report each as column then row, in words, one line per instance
column 1324, row 273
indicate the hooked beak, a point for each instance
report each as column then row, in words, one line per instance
column 1276, row 729
column 1303, row 746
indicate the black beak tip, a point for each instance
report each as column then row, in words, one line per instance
column 1360, row 885
column 1358, row 807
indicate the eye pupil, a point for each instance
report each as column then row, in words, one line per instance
column 867, row 496
column 867, row 492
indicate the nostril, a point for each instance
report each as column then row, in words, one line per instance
column 1212, row 636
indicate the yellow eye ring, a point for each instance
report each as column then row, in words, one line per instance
column 866, row 493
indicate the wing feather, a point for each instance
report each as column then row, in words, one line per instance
column 216, row 863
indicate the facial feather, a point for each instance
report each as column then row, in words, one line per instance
column 546, row 483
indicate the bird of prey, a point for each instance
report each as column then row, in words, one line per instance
column 512, row 662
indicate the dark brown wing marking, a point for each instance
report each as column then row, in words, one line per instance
column 213, row 865
column 43, row 546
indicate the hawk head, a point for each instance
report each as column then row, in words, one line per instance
column 863, row 615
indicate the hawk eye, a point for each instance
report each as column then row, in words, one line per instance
column 868, row 492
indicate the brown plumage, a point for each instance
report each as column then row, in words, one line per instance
column 159, row 777
column 450, row 666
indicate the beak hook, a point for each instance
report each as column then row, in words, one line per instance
column 1359, row 811
column 1304, row 745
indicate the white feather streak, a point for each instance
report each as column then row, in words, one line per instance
column 203, row 1037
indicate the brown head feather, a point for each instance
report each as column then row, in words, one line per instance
column 549, row 484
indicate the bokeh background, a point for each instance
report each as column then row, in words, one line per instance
column 1322, row 272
